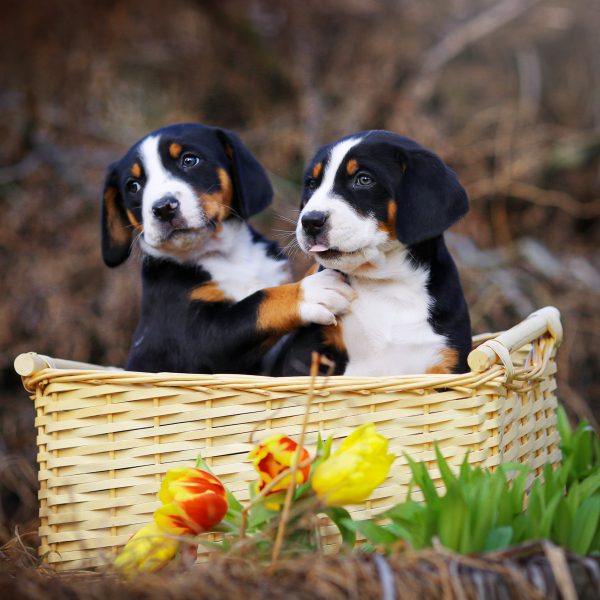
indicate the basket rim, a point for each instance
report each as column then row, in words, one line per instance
column 542, row 330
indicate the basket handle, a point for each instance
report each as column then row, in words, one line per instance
column 545, row 320
column 29, row 363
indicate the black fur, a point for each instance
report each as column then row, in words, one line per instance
column 175, row 334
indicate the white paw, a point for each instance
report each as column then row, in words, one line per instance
column 324, row 295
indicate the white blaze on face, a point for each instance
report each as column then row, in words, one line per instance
column 160, row 183
column 347, row 230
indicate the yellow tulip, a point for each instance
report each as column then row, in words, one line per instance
column 358, row 466
column 147, row 551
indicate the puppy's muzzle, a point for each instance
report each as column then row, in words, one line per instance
column 166, row 209
column 313, row 222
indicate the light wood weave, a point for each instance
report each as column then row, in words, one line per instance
column 106, row 437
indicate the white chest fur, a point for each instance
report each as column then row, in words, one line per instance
column 387, row 332
column 240, row 266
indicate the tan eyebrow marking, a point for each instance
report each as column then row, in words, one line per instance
column 175, row 150
column 352, row 166
column 136, row 170
column 317, row 169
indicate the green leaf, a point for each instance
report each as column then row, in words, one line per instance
column 373, row 532
column 564, row 428
column 452, row 516
column 403, row 512
column 423, row 480
column 585, row 525
column 448, row 476
column 545, row 526
column 465, row 469
column 340, row 516
column 260, row 514
column 402, row 533
column 498, row 539
column 561, row 525
column 302, row 490
column 589, row 485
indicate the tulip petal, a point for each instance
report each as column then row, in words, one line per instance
column 274, row 456
column 359, row 465
column 147, row 551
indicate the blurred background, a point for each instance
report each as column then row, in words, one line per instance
column 506, row 91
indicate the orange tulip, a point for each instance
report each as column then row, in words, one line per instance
column 193, row 501
column 274, row 456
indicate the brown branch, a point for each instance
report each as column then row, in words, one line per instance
column 314, row 371
column 458, row 40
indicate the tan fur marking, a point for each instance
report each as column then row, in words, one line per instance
column 390, row 224
column 447, row 364
column 317, row 170
column 136, row 170
column 333, row 337
column 175, row 150
column 352, row 166
column 116, row 227
column 217, row 205
column 207, row 292
column 312, row 270
column 134, row 221
column 279, row 310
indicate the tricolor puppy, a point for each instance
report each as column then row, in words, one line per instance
column 375, row 206
column 215, row 296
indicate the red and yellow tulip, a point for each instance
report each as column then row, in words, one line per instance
column 193, row 501
column 357, row 467
column 274, row 456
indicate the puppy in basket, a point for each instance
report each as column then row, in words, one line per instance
column 375, row 206
column 215, row 295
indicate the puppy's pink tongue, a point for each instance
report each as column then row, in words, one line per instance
column 318, row 248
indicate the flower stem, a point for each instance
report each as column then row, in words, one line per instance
column 314, row 371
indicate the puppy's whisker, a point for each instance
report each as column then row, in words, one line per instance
column 285, row 218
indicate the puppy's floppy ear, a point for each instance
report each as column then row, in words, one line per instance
column 429, row 196
column 251, row 184
column 116, row 229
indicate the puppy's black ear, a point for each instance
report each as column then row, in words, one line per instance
column 116, row 229
column 429, row 197
column 251, row 184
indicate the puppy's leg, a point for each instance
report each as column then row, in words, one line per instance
column 317, row 298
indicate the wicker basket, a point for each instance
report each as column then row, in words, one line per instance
column 106, row 437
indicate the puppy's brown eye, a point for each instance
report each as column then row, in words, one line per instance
column 363, row 180
column 311, row 184
column 133, row 186
column 189, row 160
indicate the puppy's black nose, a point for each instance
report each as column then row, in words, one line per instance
column 166, row 208
column 314, row 221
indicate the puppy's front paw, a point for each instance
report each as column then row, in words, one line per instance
column 324, row 295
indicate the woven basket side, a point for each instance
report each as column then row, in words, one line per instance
column 106, row 439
